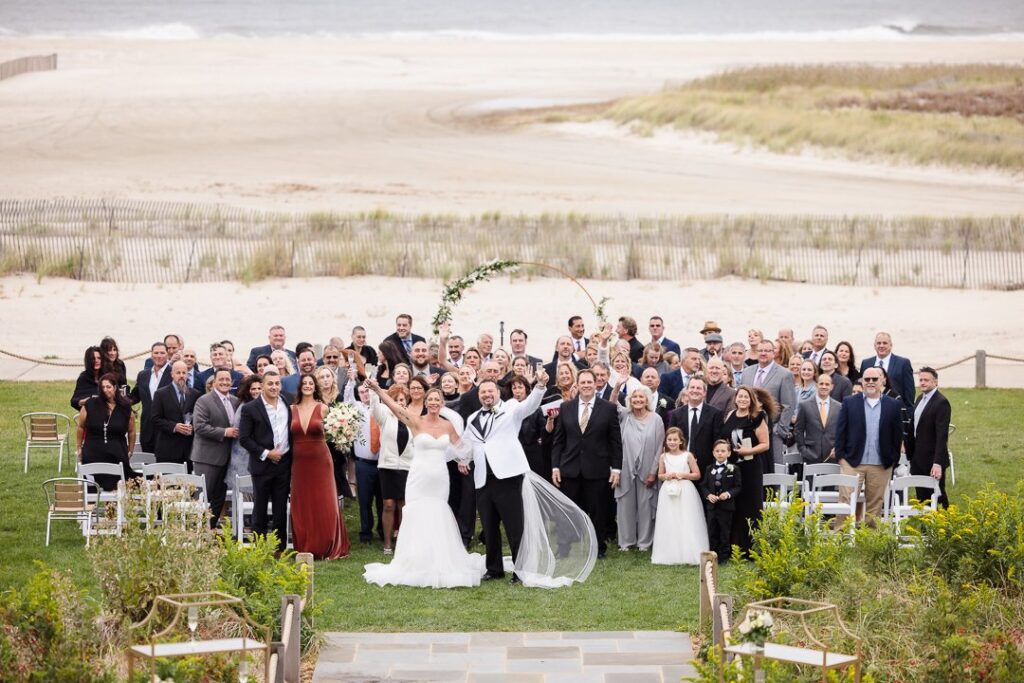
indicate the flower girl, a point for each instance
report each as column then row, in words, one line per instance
column 680, row 533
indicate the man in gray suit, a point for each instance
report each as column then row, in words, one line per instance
column 816, row 419
column 211, row 448
column 778, row 382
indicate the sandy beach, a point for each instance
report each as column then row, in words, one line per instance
column 365, row 123
column 58, row 317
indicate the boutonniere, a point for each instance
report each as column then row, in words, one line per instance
column 730, row 468
column 662, row 403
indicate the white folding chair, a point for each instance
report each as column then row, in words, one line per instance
column 46, row 430
column 781, row 469
column 792, row 458
column 153, row 469
column 952, row 465
column 67, row 498
column 784, row 484
column 822, row 490
column 190, row 502
column 241, row 505
column 102, row 498
column 140, row 458
column 815, row 469
column 901, row 493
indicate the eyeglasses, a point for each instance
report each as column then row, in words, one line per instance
column 871, row 379
column 331, row 357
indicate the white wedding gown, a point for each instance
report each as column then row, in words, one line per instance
column 429, row 550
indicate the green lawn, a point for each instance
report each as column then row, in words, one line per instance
column 625, row 591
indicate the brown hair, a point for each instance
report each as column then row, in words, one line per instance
column 678, row 432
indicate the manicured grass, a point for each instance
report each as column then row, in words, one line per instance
column 624, row 592
column 958, row 115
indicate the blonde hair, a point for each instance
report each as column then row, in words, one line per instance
column 328, row 395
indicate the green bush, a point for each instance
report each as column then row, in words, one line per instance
column 260, row 579
column 49, row 632
column 791, row 555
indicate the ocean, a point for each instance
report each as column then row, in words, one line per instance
column 494, row 19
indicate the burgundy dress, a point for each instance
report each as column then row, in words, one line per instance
column 317, row 527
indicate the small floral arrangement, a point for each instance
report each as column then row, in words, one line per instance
column 599, row 308
column 756, row 628
column 343, row 425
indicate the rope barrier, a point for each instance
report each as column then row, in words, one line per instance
column 63, row 364
column 956, row 362
column 1009, row 358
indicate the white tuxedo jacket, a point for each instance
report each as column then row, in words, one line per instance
column 500, row 447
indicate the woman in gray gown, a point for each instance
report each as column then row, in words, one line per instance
column 636, row 496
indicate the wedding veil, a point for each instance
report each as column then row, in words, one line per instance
column 559, row 545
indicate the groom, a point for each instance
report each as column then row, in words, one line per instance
column 500, row 464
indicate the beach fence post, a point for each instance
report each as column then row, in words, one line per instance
column 979, row 368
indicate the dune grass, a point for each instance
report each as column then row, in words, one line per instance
column 625, row 591
column 956, row 115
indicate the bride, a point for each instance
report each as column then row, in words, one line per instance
column 429, row 550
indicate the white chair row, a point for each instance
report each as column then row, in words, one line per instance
column 242, row 505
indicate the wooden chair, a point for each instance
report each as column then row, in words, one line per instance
column 68, row 498
column 46, row 430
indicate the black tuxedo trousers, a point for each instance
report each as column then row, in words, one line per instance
column 500, row 502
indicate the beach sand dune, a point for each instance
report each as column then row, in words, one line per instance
column 931, row 326
column 360, row 124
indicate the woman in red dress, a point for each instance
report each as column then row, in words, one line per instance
column 317, row 527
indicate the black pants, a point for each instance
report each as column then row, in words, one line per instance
column 719, row 522
column 216, row 488
column 370, row 499
column 272, row 488
column 462, row 500
column 501, row 503
column 591, row 496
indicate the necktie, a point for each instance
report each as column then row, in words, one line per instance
column 759, row 378
column 880, row 364
column 189, row 381
column 823, row 412
column 585, row 418
column 181, row 401
column 918, row 409
column 228, row 409
column 693, row 423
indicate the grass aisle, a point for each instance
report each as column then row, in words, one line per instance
column 625, row 591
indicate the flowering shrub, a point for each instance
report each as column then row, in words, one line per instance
column 343, row 425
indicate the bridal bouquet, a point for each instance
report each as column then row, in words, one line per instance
column 343, row 425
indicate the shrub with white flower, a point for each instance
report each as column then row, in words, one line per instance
column 755, row 628
column 343, row 425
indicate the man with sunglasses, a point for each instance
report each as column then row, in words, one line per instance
column 869, row 436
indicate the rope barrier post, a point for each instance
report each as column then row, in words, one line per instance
column 708, row 586
column 291, row 624
column 277, row 662
column 722, row 626
column 979, row 369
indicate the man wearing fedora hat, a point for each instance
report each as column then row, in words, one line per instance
column 712, row 340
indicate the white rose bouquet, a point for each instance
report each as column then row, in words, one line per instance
column 343, row 425
column 756, row 628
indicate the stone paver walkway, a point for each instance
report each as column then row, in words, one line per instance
column 557, row 657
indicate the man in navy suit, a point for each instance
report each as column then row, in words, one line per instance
column 156, row 375
column 869, row 435
column 674, row 382
column 656, row 326
column 899, row 369
column 276, row 337
column 218, row 361
column 403, row 337
column 264, row 430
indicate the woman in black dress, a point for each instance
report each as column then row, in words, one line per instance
column 88, row 382
column 344, row 465
column 106, row 425
column 747, row 431
column 532, row 433
column 113, row 364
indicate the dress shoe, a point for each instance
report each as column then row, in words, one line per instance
column 515, row 580
column 490, row 576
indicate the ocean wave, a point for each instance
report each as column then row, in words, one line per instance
column 893, row 31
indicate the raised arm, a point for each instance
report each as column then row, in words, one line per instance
column 397, row 410
column 442, row 348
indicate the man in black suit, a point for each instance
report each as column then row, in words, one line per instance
column 517, row 340
column 173, row 344
column 656, row 326
column 359, row 344
column 708, row 421
column 189, row 357
column 276, row 338
column 602, row 374
column 420, row 363
column 663, row 405
column 626, row 331
column 403, row 336
column 577, row 330
column 564, row 353
column 172, row 417
column 157, row 375
column 586, row 457
column 928, row 445
column 264, row 430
